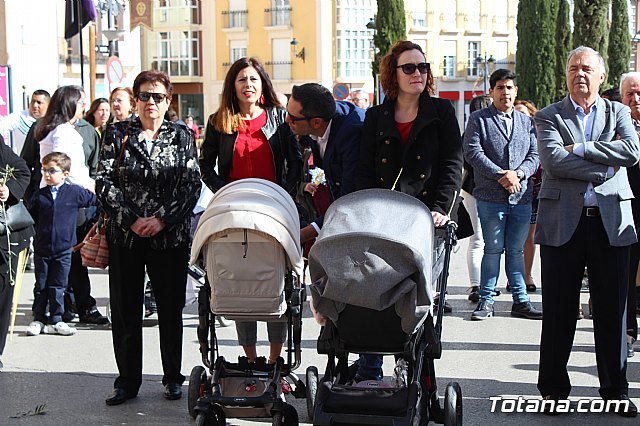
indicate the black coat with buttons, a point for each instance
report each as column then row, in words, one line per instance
column 431, row 160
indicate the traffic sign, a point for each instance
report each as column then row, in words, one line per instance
column 115, row 70
column 341, row 91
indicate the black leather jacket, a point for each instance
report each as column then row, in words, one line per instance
column 217, row 149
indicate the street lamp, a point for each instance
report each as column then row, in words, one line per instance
column 371, row 25
column 483, row 60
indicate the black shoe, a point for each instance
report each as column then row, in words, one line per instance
column 172, row 391
column 550, row 409
column 93, row 316
column 436, row 304
column 525, row 310
column 621, row 409
column 484, row 310
column 118, row 396
column 474, row 295
column 630, row 351
column 68, row 316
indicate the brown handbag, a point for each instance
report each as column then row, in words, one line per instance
column 94, row 249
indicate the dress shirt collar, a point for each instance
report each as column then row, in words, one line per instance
column 578, row 108
column 325, row 137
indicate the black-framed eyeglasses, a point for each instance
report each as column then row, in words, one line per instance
column 157, row 97
column 409, row 69
column 50, row 172
column 295, row 119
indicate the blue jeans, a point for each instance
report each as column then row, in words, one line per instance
column 369, row 367
column 52, row 273
column 504, row 228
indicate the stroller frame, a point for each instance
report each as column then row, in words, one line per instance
column 424, row 345
column 205, row 399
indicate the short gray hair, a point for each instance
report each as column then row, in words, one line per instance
column 627, row 75
column 586, row 49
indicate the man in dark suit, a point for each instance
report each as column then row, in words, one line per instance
column 585, row 144
column 333, row 130
column 630, row 93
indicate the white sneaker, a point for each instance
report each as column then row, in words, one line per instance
column 61, row 328
column 35, row 328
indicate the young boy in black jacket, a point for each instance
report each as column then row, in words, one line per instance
column 55, row 209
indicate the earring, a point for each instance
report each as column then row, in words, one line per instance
column 261, row 101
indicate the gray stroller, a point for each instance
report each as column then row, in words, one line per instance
column 375, row 268
column 249, row 238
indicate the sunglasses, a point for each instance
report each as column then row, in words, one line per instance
column 157, row 97
column 409, row 69
column 50, row 172
column 295, row 119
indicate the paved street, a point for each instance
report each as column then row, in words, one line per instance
column 496, row 357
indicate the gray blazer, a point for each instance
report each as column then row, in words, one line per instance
column 566, row 176
column 488, row 149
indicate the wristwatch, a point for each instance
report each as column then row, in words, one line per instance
column 520, row 174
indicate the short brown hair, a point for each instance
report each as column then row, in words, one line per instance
column 388, row 65
column 152, row 76
column 61, row 159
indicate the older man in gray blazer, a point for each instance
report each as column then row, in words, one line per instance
column 500, row 144
column 584, row 218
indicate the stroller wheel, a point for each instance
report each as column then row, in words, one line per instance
column 197, row 384
column 453, row 405
column 288, row 416
column 214, row 418
column 312, row 390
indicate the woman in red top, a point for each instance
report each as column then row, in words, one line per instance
column 248, row 138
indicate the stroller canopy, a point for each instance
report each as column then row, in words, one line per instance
column 256, row 205
column 375, row 250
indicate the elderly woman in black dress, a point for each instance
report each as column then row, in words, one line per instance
column 148, row 183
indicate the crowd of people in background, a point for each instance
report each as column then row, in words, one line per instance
column 564, row 177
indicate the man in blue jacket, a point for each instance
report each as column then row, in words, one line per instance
column 500, row 144
column 333, row 130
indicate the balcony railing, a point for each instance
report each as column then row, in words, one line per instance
column 278, row 16
column 234, row 19
column 279, row 70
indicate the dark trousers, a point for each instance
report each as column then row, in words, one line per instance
column 562, row 269
column 52, row 274
column 167, row 271
column 79, row 286
column 632, row 322
column 6, row 297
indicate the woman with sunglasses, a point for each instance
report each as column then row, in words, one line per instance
column 148, row 183
column 248, row 138
column 411, row 143
column 412, row 138
column 99, row 114
column 57, row 132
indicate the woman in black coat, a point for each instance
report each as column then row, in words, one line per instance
column 10, row 194
column 412, row 141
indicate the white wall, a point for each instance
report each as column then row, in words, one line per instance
column 32, row 45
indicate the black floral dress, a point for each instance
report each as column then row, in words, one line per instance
column 164, row 182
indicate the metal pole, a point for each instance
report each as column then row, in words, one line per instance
column 79, row 11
